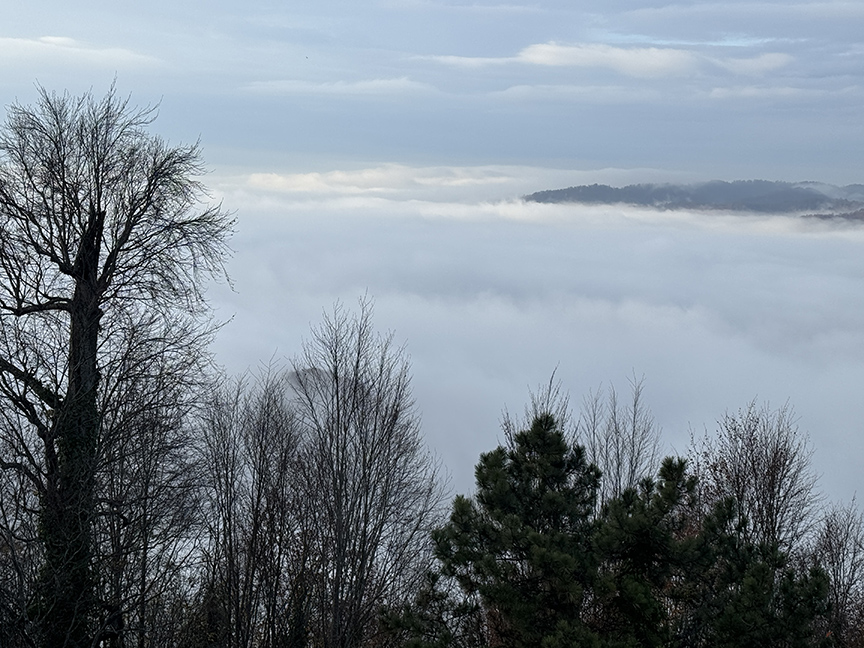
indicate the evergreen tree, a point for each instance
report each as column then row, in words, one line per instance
column 440, row 616
column 748, row 594
column 645, row 552
column 523, row 544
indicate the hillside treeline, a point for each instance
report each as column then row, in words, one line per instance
column 762, row 196
column 147, row 500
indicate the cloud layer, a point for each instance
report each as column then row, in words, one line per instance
column 640, row 62
column 491, row 295
column 65, row 52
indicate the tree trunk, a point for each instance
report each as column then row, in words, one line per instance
column 67, row 601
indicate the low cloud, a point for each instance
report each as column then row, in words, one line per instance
column 636, row 62
column 63, row 51
column 495, row 186
column 631, row 61
column 439, row 184
column 589, row 94
column 491, row 294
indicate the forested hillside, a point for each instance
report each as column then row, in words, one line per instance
column 742, row 195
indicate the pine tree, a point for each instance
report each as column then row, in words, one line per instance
column 645, row 552
column 523, row 544
column 749, row 594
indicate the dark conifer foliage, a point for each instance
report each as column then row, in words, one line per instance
column 523, row 544
column 658, row 565
column 749, row 593
column 646, row 549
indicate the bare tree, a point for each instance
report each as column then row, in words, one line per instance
column 100, row 230
column 219, row 601
column 371, row 484
column 621, row 438
column 548, row 399
column 258, row 549
column 761, row 460
column 20, row 550
column 147, row 526
column 839, row 550
column 319, row 496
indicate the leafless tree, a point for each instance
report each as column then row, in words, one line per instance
column 761, row 460
column 371, row 484
column 620, row 438
column 839, row 550
column 257, row 558
column 147, row 528
column 101, row 229
column 216, row 619
column 548, row 398
column 20, row 550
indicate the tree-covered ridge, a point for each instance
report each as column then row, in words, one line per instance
column 741, row 195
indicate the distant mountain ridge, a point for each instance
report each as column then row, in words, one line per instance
column 763, row 196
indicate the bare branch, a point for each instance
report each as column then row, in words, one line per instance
column 46, row 395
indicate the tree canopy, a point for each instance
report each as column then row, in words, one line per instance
column 104, row 245
column 524, row 542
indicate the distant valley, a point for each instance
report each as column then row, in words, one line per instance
column 812, row 199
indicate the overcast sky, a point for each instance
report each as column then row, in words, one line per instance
column 381, row 147
column 723, row 89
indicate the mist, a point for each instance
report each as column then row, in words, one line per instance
column 491, row 296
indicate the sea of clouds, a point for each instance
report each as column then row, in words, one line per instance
column 490, row 295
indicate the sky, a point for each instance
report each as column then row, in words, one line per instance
column 380, row 148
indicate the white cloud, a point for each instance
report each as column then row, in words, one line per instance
column 385, row 180
column 378, row 180
column 493, row 184
column 639, row 62
column 762, row 92
column 630, row 61
column 757, row 65
column 402, row 85
column 63, row 51
column 590, row 94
